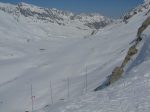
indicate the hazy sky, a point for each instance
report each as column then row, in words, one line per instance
column 110, row 8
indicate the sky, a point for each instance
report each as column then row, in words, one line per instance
column 110, row 8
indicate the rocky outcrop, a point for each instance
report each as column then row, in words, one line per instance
column 131, row 52
column 135, row 11
column 116, row 74
column 118, row 71
column 145, row 24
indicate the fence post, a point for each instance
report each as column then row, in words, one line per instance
column 51, row 92
column 86, row 79
column 68, row 87
column 32, row 98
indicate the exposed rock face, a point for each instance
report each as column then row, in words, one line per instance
column 118, row 71
column 136, row 10
column 131, row 52
column 145, row 24
column 116, row 74
column 97, row 25
column 148, row 12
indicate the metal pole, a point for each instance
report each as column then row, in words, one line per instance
column 86, row 80
column 32, row 97
column 51, row 90
column 68, row 88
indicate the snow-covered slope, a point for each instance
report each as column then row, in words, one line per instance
column 33, row 53
column 130, row 93
column 136, row 10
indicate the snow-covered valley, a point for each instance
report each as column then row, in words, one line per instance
column 37, row 53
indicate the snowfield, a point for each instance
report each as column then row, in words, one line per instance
column 39, row 53
column 129, row 94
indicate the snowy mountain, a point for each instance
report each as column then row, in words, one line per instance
column 53, row 15
column 134, row 11
column 46, row 66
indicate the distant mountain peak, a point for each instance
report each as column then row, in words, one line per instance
column 53, row 15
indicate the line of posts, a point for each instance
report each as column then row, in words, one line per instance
column 51, row 90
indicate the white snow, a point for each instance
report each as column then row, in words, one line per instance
column 129, row 94
column 36, row 53
column 146, row 0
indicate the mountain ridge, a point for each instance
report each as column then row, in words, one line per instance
column 93, row 21
column 139, row 9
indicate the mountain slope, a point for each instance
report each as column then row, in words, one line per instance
column 139, row 9
column 35, row 54
column 129, row 94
